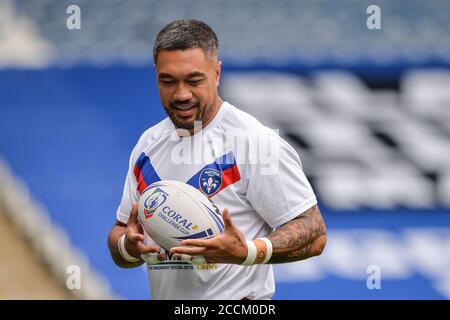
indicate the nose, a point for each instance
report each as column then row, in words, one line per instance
column 182, row 93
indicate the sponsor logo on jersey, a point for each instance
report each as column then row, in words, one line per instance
column 153, row 202
column 172, row 262
column 210, row 181
column 176, row 220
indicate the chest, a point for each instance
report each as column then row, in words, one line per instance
column 201, row 163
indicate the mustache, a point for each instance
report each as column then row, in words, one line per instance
column 183, row 104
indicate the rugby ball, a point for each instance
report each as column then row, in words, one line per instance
column 172, row 211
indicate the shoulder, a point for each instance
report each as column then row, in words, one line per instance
column 239, row 119
column 151, row 135
column 247, row 126
column 254, row 144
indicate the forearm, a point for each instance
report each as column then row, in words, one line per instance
column 113, row 240
column 299, row 239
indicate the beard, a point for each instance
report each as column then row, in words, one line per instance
column 185, row 122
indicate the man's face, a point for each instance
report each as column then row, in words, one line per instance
column 187, row 84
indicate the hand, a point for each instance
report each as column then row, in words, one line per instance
column 134, row 237
column 228, row 247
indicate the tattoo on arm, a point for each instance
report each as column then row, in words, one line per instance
column 297, row 239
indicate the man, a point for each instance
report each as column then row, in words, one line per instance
column 254, row 201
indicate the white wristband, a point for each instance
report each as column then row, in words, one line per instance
column 251, row 254
column 123, row 252
column 269, row 248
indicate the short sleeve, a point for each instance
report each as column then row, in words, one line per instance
column 277, row 187
column 129, row 195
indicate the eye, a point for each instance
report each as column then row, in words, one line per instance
column 194, row 81
column 166, row 81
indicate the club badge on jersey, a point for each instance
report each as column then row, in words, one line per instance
column 210, row 181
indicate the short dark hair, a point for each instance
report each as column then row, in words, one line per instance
column 185, row 34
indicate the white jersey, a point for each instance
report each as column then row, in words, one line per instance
column 259, row 179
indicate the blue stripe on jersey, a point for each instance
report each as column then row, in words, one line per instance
column 147, row 170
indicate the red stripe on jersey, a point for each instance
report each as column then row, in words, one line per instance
column 141, row 183
column 229, row 176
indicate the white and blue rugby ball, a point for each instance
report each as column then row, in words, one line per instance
column 172, row 211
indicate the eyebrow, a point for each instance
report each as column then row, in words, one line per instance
column 190, row 75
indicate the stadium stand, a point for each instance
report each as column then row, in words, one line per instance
column 273, row 32
column 360, row 146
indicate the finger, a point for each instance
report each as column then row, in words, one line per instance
column 207, row 243
column 162, row 256
column 142, row 248
column 227, row 219
column 133, row 214
column 134, row 237
column 188, row 250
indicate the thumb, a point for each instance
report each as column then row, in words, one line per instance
column 133, row 219
column 227, row 219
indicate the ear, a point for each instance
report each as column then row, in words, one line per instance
column 218, row 72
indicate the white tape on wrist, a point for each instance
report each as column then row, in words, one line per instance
column 251, row 254
column 269, row 248
column 123, row 252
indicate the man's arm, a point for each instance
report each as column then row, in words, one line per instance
column 117, row 231
column 299, row 239
column 134, row 241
